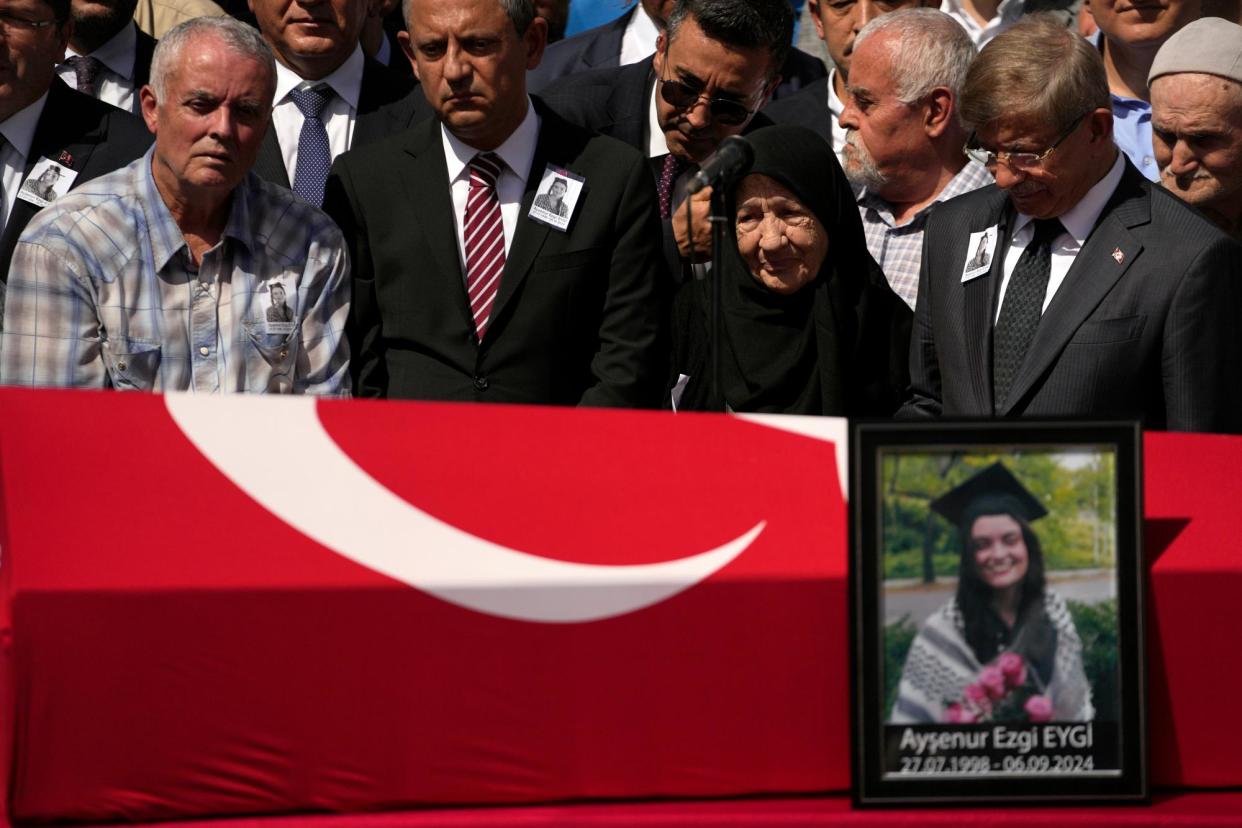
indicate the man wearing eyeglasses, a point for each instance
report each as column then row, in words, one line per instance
column 715, row 65
column 462, row 288
column 1105, row 295
column 43, row 122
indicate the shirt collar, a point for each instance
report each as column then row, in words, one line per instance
column 971, row 176
column 1007, row 10
column 19, row 128
column 835, row 105
column 1079, row 220
column 167, row 240
column 656, row 145
column 517, row 151
column 117, row 54
column 345, row 80
column 642, row 28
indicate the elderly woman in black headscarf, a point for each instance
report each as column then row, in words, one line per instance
column 809, row 324
column 1005, row 645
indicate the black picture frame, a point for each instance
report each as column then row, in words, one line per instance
column 914, row 741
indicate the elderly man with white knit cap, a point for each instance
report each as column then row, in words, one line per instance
column 1196, row 99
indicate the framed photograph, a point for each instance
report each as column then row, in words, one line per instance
column 997, row 605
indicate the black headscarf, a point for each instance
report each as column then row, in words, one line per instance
column 837, row 346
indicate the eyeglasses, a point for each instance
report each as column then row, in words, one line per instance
column 1016, row 160
column 12, row 23
column 724, row 111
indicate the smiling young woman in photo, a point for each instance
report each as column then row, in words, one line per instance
column 964, row 661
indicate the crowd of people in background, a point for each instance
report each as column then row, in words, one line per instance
column 974, row 209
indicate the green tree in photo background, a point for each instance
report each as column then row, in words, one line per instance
column 1077, row 532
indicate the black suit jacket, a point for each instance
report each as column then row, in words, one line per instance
column 576, row 319
column 81, row 133
column 808, row 108
column 600, row 48
column 1143, row 326
column 388, row 102
column 144, row 50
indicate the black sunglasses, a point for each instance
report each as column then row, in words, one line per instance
column 683, row 96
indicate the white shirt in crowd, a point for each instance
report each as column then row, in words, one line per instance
column 639, row 40
column 115, row 84
column 1078, row 223
column 518, row 153
column 338, row 116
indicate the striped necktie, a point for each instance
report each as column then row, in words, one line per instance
column 484, row 237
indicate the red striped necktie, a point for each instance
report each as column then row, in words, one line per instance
column 485, row 238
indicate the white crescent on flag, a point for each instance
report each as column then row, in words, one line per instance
column 277, row 451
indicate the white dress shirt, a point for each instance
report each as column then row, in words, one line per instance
column 1078, row 223
column 835, row 107
column 18, row 131
column 338, row 116
column 115, row 84
column 1007, row 13
column 638, row 42
column 518, row 153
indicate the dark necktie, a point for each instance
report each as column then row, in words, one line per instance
column 85, row 72
column 673, row 167
column 485, row 238
column 314, row 153
column 1022, row 308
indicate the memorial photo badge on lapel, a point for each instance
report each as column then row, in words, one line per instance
column 980, row 249
column 48, row 181
column 556, row 198
column 279, row 313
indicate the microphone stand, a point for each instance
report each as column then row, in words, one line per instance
column 719, row 220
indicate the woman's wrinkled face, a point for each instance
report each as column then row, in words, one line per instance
column 1000, row 550
column 781, row 240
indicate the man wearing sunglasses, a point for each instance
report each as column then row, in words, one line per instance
column 1105, row 296
column 715, row 65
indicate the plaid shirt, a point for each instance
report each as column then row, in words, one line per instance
column 898, row 249
column 103, row 293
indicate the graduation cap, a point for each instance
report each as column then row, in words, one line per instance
column 993, row 491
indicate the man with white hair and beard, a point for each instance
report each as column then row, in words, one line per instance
column 1196, row 101
column 904, row 141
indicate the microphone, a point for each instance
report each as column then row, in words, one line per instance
column 732, row 158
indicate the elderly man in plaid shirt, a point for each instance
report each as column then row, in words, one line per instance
column 158, row 277
column 904, row 141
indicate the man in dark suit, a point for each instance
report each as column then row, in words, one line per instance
column 329, row 95
column 714, row 67
column 1105, row 296
column 460, row 293
column 632, row 38
column 44, row 122
column 819, row 105
column 109, row 57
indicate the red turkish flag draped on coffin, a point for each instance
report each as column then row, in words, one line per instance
column 253, row 605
